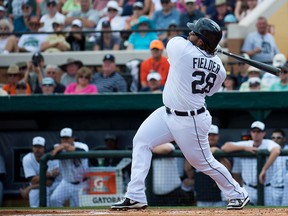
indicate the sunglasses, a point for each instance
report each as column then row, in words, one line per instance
column 112, row 9
column 4, row 29
column 47, row 85
column 51, row 72
column 137, row 8
column 85, row 77
column 25, row 7
column 256, row 131
column 53, row 4
column 165, row 2
column 13, row 75
column 278, row 137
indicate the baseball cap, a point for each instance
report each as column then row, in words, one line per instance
column 106, row 23
column 138, row 4
column 58, row 21
column 2, row 8
column 220, row 2
column 230, row 18
column 38, row 141
column 48, row 81
column 258, row 124
column 213, row 129
column 156, row 44
column 27, row 2
column 253, row 69
column 190, row 1
column 77, row 22
column 154, row 75
column 254, row 81
column 279, row 60
column 66, row 132
column 110, row 136
column 109, row 57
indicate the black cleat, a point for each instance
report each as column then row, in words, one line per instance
column 127, row 203
column 237, row 204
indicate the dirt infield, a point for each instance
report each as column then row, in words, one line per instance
column 151, row 212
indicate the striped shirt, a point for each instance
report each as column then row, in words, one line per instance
column 113, row 83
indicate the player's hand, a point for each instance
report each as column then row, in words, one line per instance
column 262, row 176
column 56, row 150
column 257, row 50
column 251, row 149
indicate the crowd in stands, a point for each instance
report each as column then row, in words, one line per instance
column 123, row 25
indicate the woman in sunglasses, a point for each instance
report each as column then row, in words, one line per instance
column 83, row 86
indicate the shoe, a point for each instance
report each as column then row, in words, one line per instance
column 237, row 204
column 127, row 203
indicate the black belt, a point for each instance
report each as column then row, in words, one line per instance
column 255, row 186
column 78, row 182
column 187, row 113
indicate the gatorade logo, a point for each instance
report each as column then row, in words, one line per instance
column 101, row 183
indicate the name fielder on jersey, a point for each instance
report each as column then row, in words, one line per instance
column 206, row 64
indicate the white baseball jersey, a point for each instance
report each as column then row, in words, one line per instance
column 72, row 170
column 248, row 166
column 192, row 75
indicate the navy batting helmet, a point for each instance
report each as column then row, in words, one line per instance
column 208, row 30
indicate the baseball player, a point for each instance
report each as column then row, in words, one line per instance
column 195, row 72
column 72, row 171
column 247, row 167
column 31, row 168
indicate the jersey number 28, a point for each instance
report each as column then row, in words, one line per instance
column 197, row 84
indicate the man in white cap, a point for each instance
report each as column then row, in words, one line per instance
column 31, row 168
column 72, row 170
column 76, row 40
column 154, row 83
column 247, row 167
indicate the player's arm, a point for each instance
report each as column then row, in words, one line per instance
column 163, row 149
column 230, row 147
column 272, row 157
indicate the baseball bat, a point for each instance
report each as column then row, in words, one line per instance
column 262, row 66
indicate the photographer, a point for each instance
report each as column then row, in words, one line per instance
column 35, row 71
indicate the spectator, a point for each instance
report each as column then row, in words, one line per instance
column 3, row 14
column 21, row 23
column 109, row 80
column 282, row 84
column 14, row 77
column 248, row 8
column 241, row 7
column 138, row 10
column 35, row 71
column 172, row 32
column 164, row 17
column 156, row 63
column 260, row 45
column 279, row 198
column 100, row 5
column 221, row 11
column 8, row 43
column 157, row 6
column 72, row 170
column 254, row 84
column 228, row 19
column 242, row 74
column 207, row 194
column 76, row 39
column 56, row 42
column 229, row 84
column 252, row 72
column 153, row 83
column 52, row 71
column 70, row 5
column 31, row 167
column 107, row 40
column 166, row 180
column 32, row 42
column 247, row 167
column 70, row 69
column 141, row 40
column 279, row 61
column 14, row 7
column 2, row 177
column 83, row 77
column 48, row 86
column 190, row 14
column 112, row 14
column 52, row 16
column 86, row 14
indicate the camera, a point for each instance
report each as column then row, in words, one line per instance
column 36, row 59
column 21, row 86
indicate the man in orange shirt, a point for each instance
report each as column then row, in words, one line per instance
column 14, row 86
column 156, row 63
